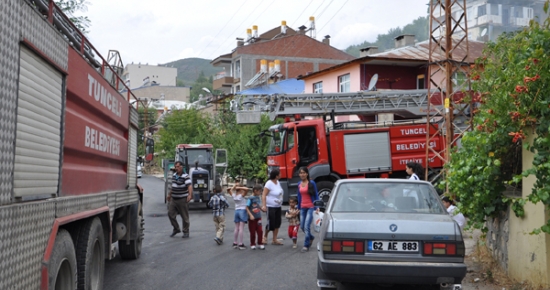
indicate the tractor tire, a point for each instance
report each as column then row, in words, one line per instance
column 324, row 189
column 90, row 255
column 62, row 270
column 131, row 250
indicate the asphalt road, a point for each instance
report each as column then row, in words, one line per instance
column 199, row 263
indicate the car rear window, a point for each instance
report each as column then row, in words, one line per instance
column 386, row 197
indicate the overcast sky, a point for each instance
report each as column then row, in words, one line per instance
column 161, row 31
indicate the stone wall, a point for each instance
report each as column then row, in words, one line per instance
column 497, row 238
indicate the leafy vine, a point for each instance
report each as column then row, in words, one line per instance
column 513, row 104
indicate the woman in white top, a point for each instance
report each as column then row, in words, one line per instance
column 451, row 209
column 415, row 170
column 272, row 198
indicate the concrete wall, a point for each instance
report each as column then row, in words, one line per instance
column 498, row 236
column 170, row 93
column 528, row 256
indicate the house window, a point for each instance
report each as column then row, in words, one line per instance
column 518, row 12
column 237, row 69
column 318, row 88
column 494, row 9
column 420, row 82
column 459, row 79
column 482, row 10
column 344, row 83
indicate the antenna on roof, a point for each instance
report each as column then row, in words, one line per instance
column 372, row 83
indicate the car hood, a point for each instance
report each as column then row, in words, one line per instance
column 395, row 226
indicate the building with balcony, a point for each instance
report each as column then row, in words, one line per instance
column 295, row 53
column 403, row 68
column 138, row 75
column 487, row 19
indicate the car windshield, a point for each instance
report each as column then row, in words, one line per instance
column 386, row 197
column 276, row 144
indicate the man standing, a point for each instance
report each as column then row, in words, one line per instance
column 179, row 196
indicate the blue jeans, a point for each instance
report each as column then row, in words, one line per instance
column 306, row 217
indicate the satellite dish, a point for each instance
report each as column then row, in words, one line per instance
column 372, row 83
column 483, row 32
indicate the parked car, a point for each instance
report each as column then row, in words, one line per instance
column 139, row 171
column 388, row 231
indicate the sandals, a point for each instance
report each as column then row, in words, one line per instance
column 277, row 243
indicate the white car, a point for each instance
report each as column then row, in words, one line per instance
column 139, row 171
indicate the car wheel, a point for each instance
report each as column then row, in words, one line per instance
column 324, row 188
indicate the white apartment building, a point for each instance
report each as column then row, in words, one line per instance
column 138, row 75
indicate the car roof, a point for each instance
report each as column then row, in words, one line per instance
column 380, row 180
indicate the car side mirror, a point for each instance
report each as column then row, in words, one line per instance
column 320, row 204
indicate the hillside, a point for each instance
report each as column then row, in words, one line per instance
column 190, row 68
column 418, row 28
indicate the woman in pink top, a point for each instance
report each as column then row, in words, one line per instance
column 307, row 194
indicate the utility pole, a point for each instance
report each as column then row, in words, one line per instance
column 448, row 81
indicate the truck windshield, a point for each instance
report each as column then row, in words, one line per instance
column 276, row 144
column 200, row 155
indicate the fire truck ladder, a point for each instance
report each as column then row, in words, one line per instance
column 407, row 103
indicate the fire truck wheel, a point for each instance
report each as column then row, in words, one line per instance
column 62, row 273
column 324, row 188
column 90, row 255
column 132, row 250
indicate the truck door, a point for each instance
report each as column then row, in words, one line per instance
column 291, row 152
column 220, row 166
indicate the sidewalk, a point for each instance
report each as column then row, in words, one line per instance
column 476, row 277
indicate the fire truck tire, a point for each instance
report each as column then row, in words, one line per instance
column 131, row 250
column 62, row 271
column 90, row 255
column 324, row 188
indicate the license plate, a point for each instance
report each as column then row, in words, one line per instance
column 392, row 246
column 200, row 181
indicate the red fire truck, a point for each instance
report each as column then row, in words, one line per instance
column 392, row 132
column 68, row 144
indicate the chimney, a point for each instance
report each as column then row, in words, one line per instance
column 326, row 40
column 240, row 42
column 255, row 31
column 302, row 29
column 283, row 27
column 404, row 40
column 368, row 51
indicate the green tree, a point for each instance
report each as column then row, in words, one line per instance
column 512, row 81
column 182, row 127
column 246, row 150
column 180, row 83
column 70, row 7
column 196, row 88
column 143, row 125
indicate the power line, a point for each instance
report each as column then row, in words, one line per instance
column 334, row 15
column 238, row 27
column 302, row 12
column 320, row 14
column 219, row 31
